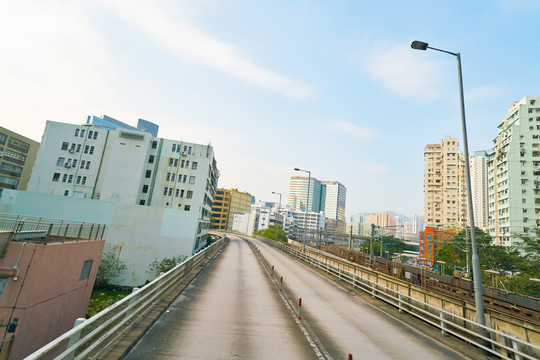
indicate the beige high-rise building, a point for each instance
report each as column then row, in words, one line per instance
column 228, row 203
column 443, row 185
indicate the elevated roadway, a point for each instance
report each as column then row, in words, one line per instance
column 234, row 309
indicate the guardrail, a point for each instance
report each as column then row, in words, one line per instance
column 494, row 341
column 92, row 337
column 47, row 230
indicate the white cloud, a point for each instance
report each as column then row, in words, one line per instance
column 352, row 130
column 53, row 65
column 406, row 72
column 184, row 39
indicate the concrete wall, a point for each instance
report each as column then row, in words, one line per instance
column 45, row 296
column 141, row 234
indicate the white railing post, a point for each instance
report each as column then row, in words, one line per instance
column 443, row 323
column 400, row 303
column 517, row 348
column 74, row 338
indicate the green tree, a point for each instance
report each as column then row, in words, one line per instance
column 165, row 264
column 110, row 266
column 270, row 233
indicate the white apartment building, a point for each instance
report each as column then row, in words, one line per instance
column 111, row 162
column 333, row 201
column 299, row 191
column 479, row 188
column 513, row 173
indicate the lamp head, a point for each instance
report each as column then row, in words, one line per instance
column 419, row 45
column 296, row 169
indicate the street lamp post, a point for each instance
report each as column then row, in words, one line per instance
column 477, row 279
column 279, row 213
column 307, row 204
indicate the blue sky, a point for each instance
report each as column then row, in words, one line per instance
column 332, row 87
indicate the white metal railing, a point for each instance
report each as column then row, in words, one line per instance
column 91, row 337
column 493, row 341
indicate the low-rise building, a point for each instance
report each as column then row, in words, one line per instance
column 227, row 204
column 47, row 272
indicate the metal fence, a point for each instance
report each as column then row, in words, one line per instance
column 493, row 341
column 30, row 228
column 92, row 337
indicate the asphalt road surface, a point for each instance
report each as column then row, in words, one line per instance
column 234, row 310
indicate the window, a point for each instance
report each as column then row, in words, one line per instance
column 181, row 193
column 70, row 179
column 87, row 165
column 165, row 190
column 65, row 145
column 187, row 207
column 82, row 133
column 78, row 147
column 142, row 202
column 189, row 194
column 148, row 174
column 66, row 192
column 86, row 149
column 60, row 161
column 72, row 149
column 85, row 272
column 171, row 162
column 178, row 148
column 170, row 191
column 95, row 135
column 64, row 178
column 84, row 180
column 90, row 133
column 83, row 162
column 177, row 192
column 56, row 177
column 194, row 165
column 189, row 150
column 76, row 132
column 151, row 159
column 168, row 176
column 182, row 163
column 91, row 150
column 74, row 163
column 185, row 178
column 187, row 164
column 172, row 176
column 78, row 181
column 154, row 144
column 145, row 189
column 192, row 179
column 175, row 162
column 173, row 147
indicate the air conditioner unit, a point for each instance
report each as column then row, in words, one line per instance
column 71, row 151
column 67, row 165
column 184, row 152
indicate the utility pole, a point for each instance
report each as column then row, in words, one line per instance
column 467, row 250
column 371, row 244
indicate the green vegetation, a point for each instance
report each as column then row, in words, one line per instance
column 165, row 264
column 270, row 233
column 103, row 298
column 390, row 244
column 515, row 265
column 110, row 266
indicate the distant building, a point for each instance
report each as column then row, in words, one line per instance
column 360, row 225
column 479, row 188
column 45, row 281
column 333, row 204
column 17, row 156
column 326, row 196
column 443, row 188
column 227, row 204
column 513, row 173
column 431, row 240
column 298, row 194
column 385, row 221
column 413, row 227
